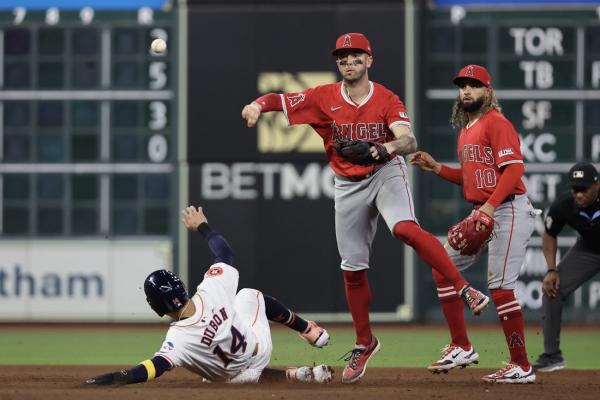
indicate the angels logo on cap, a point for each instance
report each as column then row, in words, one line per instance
column 347, row 41
column 476, row 72
column 352, row 40
column 469, row 71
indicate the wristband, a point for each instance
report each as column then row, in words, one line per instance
column 204, row 229
column 551, row 270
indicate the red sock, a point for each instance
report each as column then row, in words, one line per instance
column 358, row 295
column 430, row 250
column 453, row 308
column 513, row 324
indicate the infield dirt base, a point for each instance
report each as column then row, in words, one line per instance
column 66, row 382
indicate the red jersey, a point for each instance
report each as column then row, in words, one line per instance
column 483, row 149
column 336, row 118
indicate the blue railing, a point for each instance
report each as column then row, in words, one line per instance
column 514, row 3
column 79, row 4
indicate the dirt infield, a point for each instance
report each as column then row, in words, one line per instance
column 65, row 382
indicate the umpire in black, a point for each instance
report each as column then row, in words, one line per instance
column 580, row 209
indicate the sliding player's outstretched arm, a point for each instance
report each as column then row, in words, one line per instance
column 194, row 220
column 145, row 371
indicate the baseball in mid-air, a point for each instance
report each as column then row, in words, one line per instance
column 158, row 45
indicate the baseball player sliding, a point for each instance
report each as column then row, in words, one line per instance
column 218, row 334
column 502, row 221
column 366, row 132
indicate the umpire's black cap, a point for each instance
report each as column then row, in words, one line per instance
column 583, row 175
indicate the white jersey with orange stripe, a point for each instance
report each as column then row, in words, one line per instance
column 216, row 342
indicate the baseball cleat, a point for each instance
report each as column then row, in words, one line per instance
column 454, row 356
column 474, row 299
column 511, row 373
column 358, row 359
column 549, row 362
column 315, row 335
column 318, row 374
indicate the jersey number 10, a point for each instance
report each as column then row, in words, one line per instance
column 485, row 178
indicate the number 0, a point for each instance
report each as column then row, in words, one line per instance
column 157, row 148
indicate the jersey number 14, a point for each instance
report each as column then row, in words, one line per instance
column 238, row 342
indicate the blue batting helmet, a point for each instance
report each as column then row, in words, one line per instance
column 165, row 292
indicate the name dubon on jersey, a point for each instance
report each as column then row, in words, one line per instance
column 483, row 149
column 336, row 118
column 215, row 342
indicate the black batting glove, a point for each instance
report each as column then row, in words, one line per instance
column 112, row 378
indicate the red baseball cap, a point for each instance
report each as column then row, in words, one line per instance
column 355, row 41
column 476, row 72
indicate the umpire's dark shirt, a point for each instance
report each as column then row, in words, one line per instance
column 586, row 222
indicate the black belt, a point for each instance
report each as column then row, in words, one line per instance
column 508, row 198
column 359, row 178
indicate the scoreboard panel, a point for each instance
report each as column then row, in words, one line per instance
column 545, row 68
column 87, row 123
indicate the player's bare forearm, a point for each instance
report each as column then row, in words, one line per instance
column 549, row 247
column 551, row 282
column 405, row 144
column 426, row 162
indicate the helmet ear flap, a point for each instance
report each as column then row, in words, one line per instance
column 165, row 292
column 156, row 307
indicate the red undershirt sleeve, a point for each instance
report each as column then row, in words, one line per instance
column 509, row 179
column 453, row 175
column 270, row 102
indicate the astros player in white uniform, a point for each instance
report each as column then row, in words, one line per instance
column 218, row 334
column 491, row 167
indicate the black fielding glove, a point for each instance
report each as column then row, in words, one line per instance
column 359, row 152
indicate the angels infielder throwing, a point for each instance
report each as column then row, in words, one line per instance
column 491, row 167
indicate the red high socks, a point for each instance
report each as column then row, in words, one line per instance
column 453, row 308
column 513, row 324
column 358, row 295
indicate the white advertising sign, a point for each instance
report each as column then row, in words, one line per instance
column 82, row 280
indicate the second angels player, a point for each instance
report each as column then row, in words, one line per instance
column 358, row 109
column 491, row 167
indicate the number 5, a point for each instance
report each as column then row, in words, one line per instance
column 158, row 75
